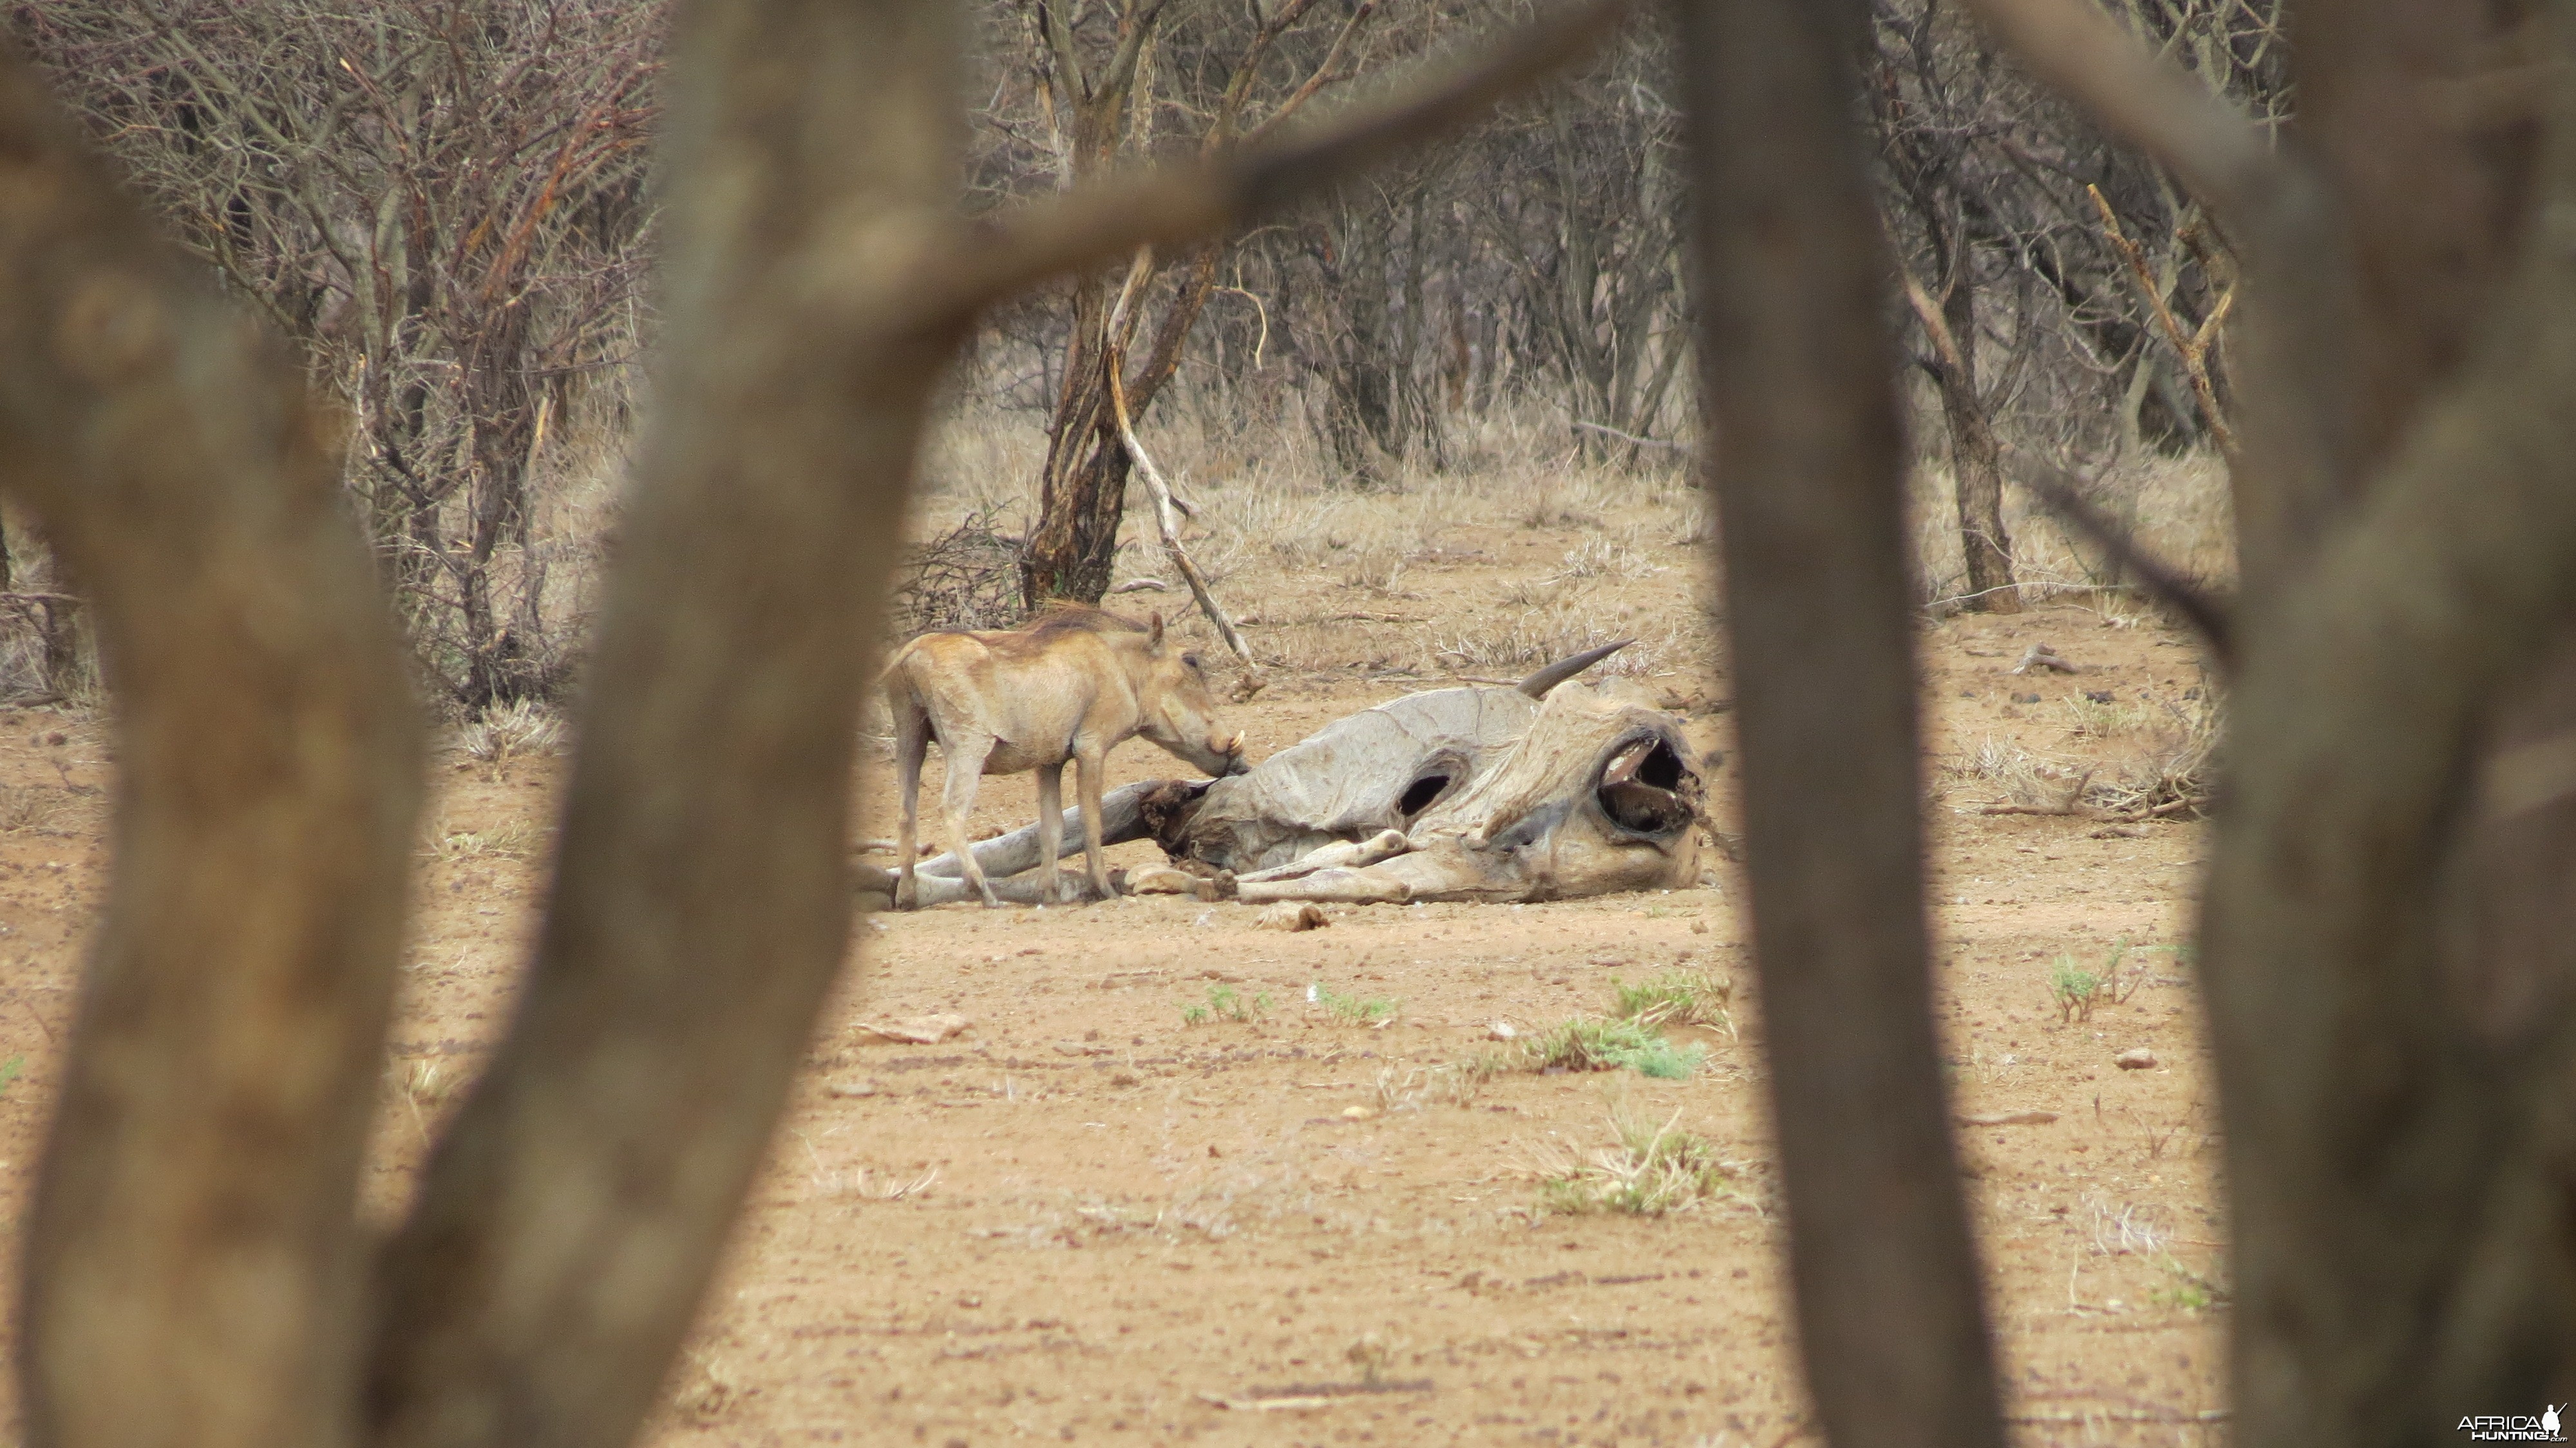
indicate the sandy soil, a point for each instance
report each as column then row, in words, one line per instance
column 1085, row 1220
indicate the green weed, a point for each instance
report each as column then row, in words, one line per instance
column 1678, row 998
column 1351, row 1010
column 1591, row 1044
column 1225, row 1003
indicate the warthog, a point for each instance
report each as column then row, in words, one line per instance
column 1526, row 792
column 1073, row 685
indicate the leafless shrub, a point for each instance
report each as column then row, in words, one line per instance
column 446, row 207
column 2177, row 775
column 967, row 577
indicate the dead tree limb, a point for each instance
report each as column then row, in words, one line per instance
column 1168, row 522
column 193, row 1266
column 2192, row 348
column 1799, row 378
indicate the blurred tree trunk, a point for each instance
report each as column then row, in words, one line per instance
column 193, row 1270
column 1809, row 476
column 2393, row 892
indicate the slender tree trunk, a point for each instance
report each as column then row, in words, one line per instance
column 1976, row 463
column 1819, row 604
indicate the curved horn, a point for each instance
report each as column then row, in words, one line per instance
column 1537, row 684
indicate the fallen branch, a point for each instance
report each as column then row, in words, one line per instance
column 1167, row 521
column 2008, row 1118
column 1633, row 438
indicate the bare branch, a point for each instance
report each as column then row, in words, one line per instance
column 1176, row 204
column 2191, row 349
column 1326, row 72
column 1167, row 519
column 2301, row 439
column 2146, row 100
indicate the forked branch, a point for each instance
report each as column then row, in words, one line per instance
column 2302, row 296
column 2193, row 348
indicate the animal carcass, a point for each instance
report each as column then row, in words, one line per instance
column 1509, row 793
column 1072, row 685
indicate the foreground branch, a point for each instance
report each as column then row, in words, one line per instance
column 193, row 1265
column 568, row 1222
column 1815, row 561
column 2060, row 492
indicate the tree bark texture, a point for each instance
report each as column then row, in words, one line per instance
column 569, row 1220
column 2394, row 882
column 193, row 1266
column 1798, row 372
column 1976, row 462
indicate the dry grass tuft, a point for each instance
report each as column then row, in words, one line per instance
column 517, row 730
column 1652, row 1171
column 517, row 840
column 2177, row 775
column 32, row 808
column 1678, row 998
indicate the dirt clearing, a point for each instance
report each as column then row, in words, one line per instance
column 1185, row 1178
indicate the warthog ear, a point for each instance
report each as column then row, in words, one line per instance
column 1154, row 629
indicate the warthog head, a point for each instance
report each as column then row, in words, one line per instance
column 1178, row 712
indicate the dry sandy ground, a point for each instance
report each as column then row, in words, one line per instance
column 1085, row 1220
